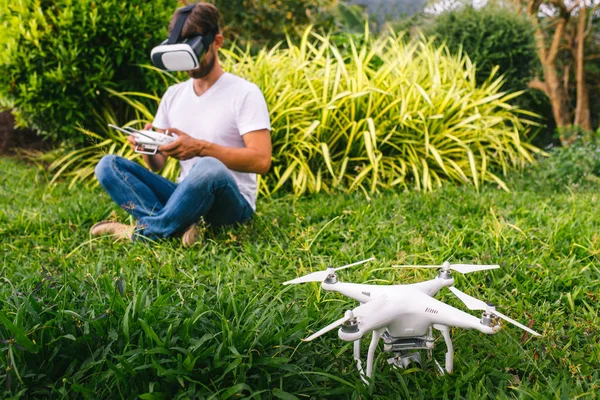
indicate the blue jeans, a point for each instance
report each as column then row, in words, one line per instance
column 163, row 208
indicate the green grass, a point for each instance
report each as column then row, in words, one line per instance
column 90, row 318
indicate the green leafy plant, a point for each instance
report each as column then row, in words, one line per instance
column 259, row 23
column 496, row 37
column 58, row 56
column 491, row 36
column 389, row 112
column 577, row 164
column 386, row 114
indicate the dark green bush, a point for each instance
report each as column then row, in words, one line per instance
column 57, row 56
column 496, row 36
column 491, row 36
column 266, row 22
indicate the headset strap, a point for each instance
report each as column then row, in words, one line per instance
column 176, row 32
column 209, row 38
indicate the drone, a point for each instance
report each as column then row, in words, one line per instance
column 404, row 316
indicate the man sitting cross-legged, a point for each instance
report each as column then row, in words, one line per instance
column 223, row 140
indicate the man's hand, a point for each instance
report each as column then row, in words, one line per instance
column 131, row 139
column 132, row 142
column 157, row 161
column 184, row 147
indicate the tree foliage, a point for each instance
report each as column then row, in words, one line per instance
column 264, row 22
column 58, row 56
column 563, row 27
column 491, row 36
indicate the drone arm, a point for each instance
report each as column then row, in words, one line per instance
column 433, row 286
column 451, row 316
column 352, row 290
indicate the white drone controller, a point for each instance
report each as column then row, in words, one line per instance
column 147, row 141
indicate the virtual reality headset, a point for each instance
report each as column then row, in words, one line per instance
column 176, row 54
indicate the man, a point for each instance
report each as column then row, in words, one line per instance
column 223, row 140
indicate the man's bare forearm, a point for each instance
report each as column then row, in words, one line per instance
column 254, row 157
column 242, row 159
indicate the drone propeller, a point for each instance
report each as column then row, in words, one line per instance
column 475, row 304
column 462, row 268
column 320, row 276
column 359, row 312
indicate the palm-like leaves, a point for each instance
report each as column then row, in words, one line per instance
column 387, row 113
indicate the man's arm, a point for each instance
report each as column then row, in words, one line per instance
column 255, row 157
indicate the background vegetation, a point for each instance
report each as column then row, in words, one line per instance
column 58, row 56
column 495, row 36
column 389, row 112
column 56, row 81
column 259, row 23
column 491, row 36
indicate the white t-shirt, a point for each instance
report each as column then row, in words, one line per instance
column 230, row 108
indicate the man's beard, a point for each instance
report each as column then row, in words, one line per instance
column 205, row 67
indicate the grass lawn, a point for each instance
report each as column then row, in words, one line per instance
column 90, row 318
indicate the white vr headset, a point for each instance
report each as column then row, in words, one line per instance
column 176, row 54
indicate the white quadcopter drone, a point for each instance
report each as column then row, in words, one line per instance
column 147, row 141
column 404, row 315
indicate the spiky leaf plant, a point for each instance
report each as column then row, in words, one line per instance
column 389, row 112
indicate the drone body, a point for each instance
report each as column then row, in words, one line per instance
column 404, row 315
column 419, row 310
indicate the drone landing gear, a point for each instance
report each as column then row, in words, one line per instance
column 370, row 356
column 450, row 349
column 403, row 351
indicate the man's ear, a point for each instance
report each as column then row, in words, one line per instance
column 218, row 41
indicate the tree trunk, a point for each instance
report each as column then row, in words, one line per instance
column 558, row 97
column 582, row 110
column 552, row 85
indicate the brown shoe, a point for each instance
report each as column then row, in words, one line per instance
column 191, row 235
column 118, row 230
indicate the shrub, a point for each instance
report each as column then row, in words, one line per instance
column 576, row 164
column 496, row 36
column 262, row 23
column 387, row 114
column 58, row 56
column 491, row 36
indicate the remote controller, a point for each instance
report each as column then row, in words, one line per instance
column 147, row 141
